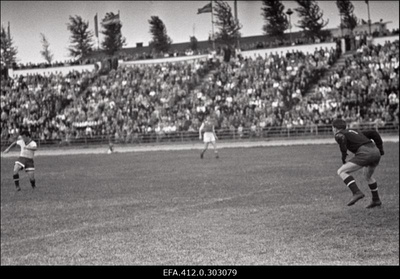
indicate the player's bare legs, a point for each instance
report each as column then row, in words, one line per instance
column 31, row 175
column 215, row 149
column 373, row 186
column 204, row 150
column 344, row 173
column 17, row 168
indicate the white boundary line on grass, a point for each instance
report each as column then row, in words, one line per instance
column 185, row 146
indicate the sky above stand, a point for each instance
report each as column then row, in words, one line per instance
column 30, row 18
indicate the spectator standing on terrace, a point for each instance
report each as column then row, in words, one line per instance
column 209, row 136
column 25, row 160
column 367, row 156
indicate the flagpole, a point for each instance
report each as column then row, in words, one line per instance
column 212, row 26
column 8, row 32
column 97, row 32
column 237, row 20
column 369, row 18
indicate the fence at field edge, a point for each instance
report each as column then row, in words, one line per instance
column 268, row 133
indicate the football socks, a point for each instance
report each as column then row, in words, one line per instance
column 16, row 179
column 351, row 183
column 374, row 191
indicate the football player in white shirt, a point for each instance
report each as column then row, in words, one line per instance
column 209, row 136
column 25, row 160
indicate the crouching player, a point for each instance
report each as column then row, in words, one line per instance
column 367, row 156
column 25, row 160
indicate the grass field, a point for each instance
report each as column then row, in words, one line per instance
column 253, row 206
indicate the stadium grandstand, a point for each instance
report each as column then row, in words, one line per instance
column 264, row 90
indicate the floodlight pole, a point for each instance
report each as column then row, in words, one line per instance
column 341, row 24
column 212, row 26
column 289, row 12
column 237, row 20
column 369, row 18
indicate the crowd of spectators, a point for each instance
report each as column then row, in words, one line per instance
column 243, row 94
column 365, row 89
column 254, row 94
column 286, row 41
column 153, row 55
column 127, row 100
column 35, row 102
column 159, row 100
column 21, row 66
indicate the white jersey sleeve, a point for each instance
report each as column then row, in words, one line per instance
column 20, row 142
column 26, row 152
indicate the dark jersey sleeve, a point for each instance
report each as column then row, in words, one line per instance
column 342, row 141
column 374, row 135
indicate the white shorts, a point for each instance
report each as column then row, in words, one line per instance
column 208, row 137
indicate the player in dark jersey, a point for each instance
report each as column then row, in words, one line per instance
column 367, row 147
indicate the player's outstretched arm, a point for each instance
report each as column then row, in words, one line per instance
column 11, row 146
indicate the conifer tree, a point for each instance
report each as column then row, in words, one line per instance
column 46, row 53
column 161, row 42
column 8, row 51
column 229, row 27
column 346, row 10
column 193, row 43
column 81, row 37
column 113, row 39
column 311, row 19
column 274, row 15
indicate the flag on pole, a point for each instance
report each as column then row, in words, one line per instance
column 96, row 28
column 206, row 9
column 111, row 20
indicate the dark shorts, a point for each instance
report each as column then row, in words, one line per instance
column 367, row 155
column 25, row 163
